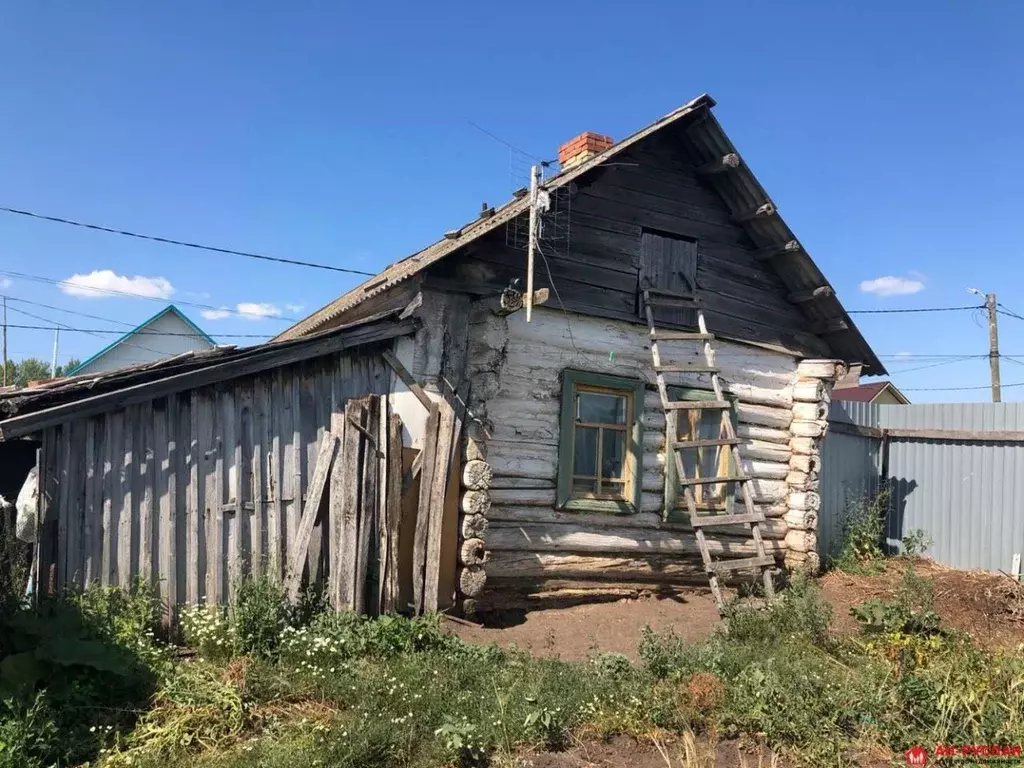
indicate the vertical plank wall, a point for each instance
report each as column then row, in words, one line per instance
column 192, row 491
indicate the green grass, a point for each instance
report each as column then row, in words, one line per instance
column 267, row 686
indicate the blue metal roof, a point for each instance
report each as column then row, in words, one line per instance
column 169, row 308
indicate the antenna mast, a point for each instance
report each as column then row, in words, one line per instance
column 532, row 239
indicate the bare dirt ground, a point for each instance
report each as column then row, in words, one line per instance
column 575, row 632
column 625, row 752
column 988, row 607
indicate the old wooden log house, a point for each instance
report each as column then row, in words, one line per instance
column 418, row 444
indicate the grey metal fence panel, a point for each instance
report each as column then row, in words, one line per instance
column 967, row 496
column 850, row 471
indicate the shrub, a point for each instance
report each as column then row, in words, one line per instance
column 863, row 525
column 259, row 614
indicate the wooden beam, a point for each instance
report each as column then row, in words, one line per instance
column 406, row 376
column 719, row 165
column 774, row 251
column 832, row 325
column 419, row 556
column 956, row 435
column 443, row 453
column 802, row 297
column 314, row 495
column 763, row 211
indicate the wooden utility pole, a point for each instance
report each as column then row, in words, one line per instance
column 5, row 341
column 993, row 346
column 56, row 341
column 531, row 243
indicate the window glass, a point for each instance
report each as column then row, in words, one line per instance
column 596, row 407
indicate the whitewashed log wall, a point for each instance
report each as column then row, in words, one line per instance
column 515, row 371
column 193, row 491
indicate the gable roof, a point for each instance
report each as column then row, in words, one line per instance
column 866, row 393
column 741, row 191
column 170, row 308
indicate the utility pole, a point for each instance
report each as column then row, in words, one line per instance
column 5, row 341
column 534, row 188
column 993, row 346
column 53, row 365
column 993, row 341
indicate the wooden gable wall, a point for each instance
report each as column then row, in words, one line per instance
column 651, row 187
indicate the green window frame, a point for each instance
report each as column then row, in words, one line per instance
column 720, row 498
column 570, row 495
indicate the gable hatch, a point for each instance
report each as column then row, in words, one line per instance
column 668, row 268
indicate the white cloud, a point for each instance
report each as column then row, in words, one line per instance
column 890, row 285
column 294, row 307
column 904, row 355
column 216, row 314
column 254, row 311
column 5, row 283
column 100, row 283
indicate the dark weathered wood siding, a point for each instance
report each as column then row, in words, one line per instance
column 652, row 187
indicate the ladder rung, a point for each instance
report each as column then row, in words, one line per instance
column 708, row 443
column 687, row 405
column 712, row 480
column 681, row 336
column 745, row 517
column 672, row 301
column 740, row 565
column 687, row 368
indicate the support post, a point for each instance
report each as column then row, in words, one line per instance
column 5, row 341
column 993, row 346
column 56, row 341
column 534, row 182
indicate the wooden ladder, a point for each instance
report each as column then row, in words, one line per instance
column 751, row 517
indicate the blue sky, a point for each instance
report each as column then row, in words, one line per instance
column 887, row 133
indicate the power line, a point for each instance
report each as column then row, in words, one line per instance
column 130, row 295
column 182, row 243
column 933, row 365
column 69, row 311
column 94, row 331
column 64, row 327
column 1008, row 313
column 500, row 140
column 908, row 311
column 956, row 389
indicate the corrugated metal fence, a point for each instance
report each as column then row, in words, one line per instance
column 965, row 492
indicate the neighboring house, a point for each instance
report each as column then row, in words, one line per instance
column 166, row 334
column 880, row 392
column 561, row 485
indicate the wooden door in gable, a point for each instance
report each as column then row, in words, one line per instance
column 668, row 265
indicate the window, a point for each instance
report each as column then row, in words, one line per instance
column 710, row 461
column 599, row 448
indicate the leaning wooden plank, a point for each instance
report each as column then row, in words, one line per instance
column 144, row 452
column 419, row 549
column 394, row 514
column 348, row 476
column 439, row 483
column 335, row 512
column 382, row 502
column 365, row 570
column 407, row 377
column 314, row 494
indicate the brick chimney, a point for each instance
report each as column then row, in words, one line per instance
column 582, row 147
